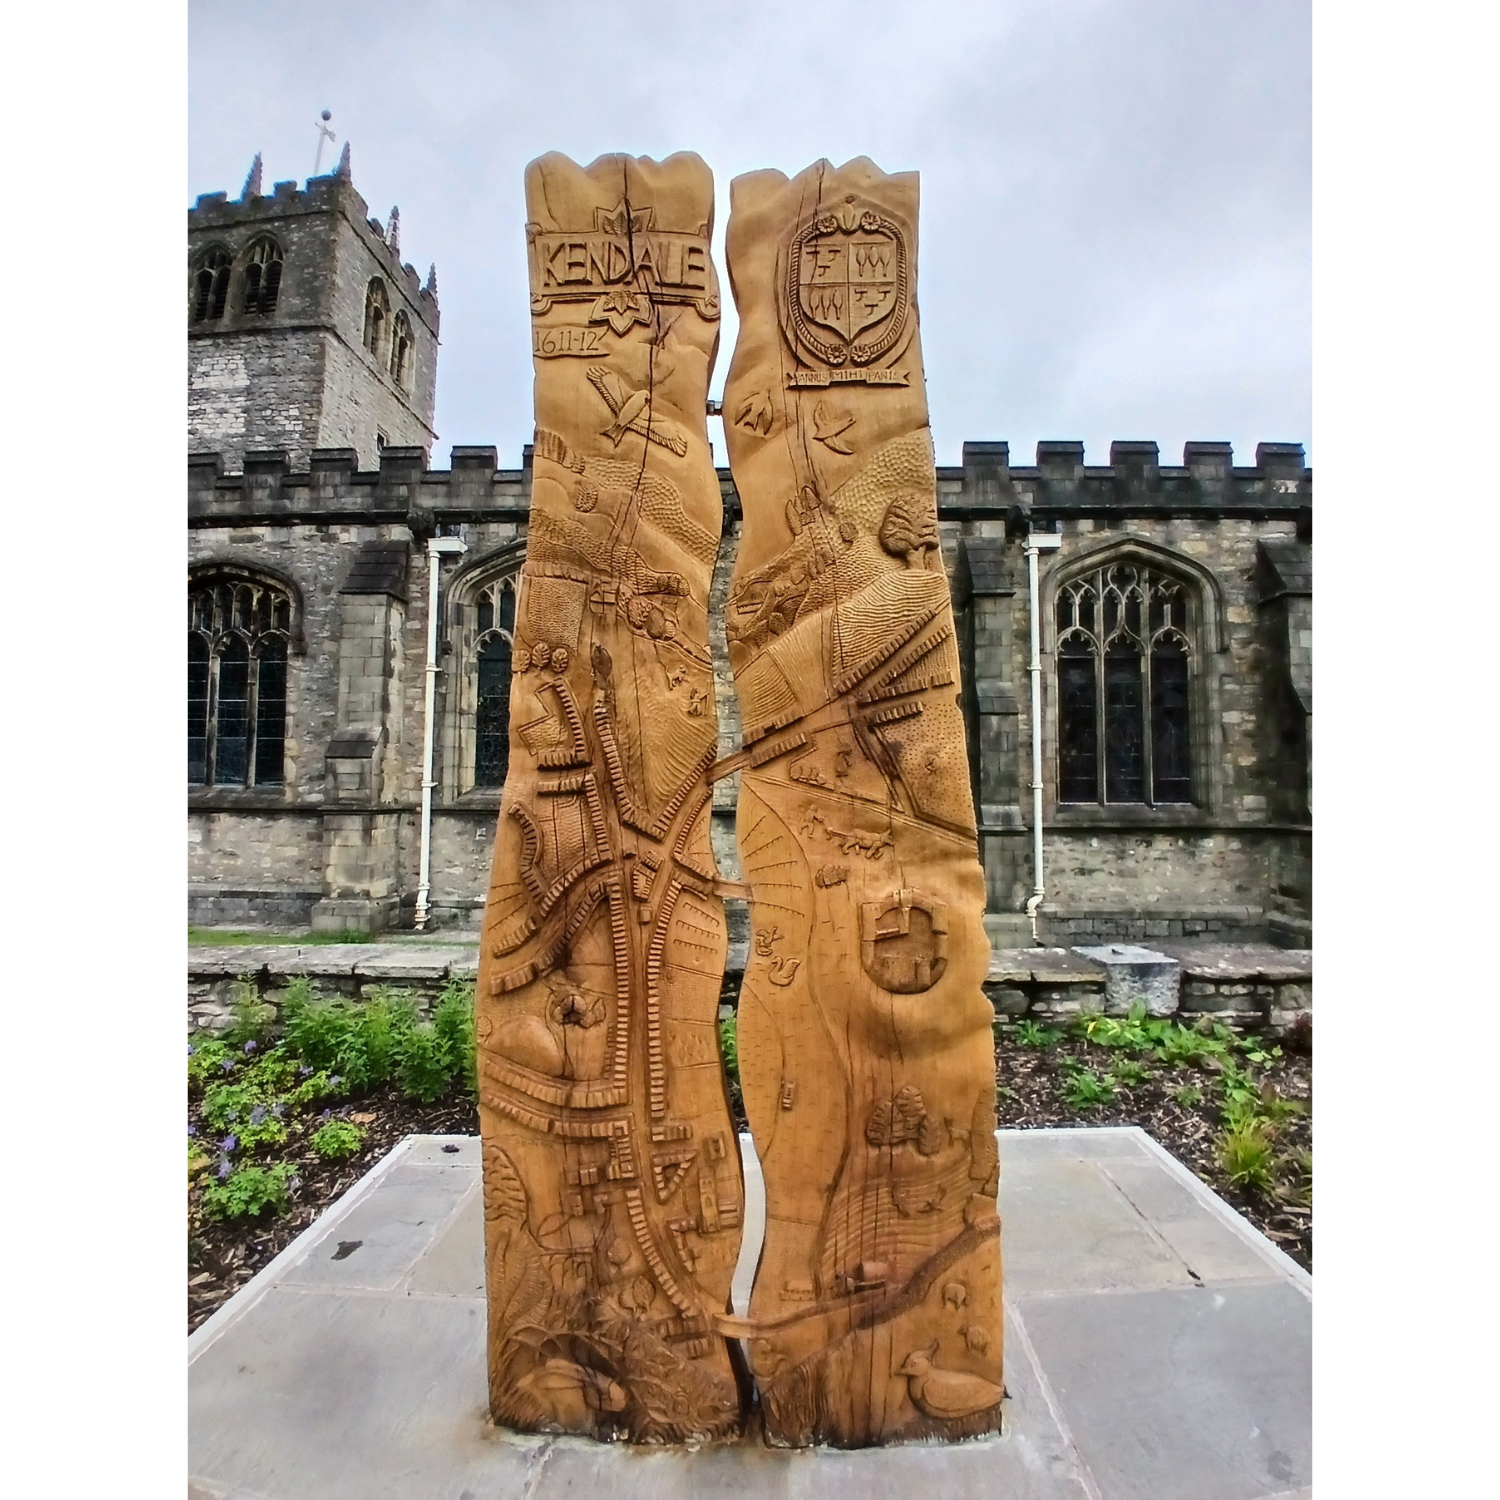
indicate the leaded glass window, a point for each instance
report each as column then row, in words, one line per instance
column 377, row 315
column 238, row 630
column 1124, row 661
column 497, row 619
column 262, row 277
column 401, row 350
column 211, row 286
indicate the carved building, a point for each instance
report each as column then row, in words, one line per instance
column 1175, row 626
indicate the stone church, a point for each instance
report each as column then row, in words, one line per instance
column 347, row 744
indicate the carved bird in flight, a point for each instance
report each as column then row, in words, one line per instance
column 946, row 1394
column 631, row 414
column 828, row 423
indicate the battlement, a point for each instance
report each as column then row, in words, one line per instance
column 474, row 487
column 329, row 194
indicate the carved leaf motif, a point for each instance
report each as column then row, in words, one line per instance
column 505, row 1196
column 932, row 1136
column 909, row 1113
column 984, row 1152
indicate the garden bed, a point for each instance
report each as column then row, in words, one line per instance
column 281, row 1126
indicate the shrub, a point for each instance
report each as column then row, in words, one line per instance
column 453, row 1021
column 1030, row 1034
column 1086, row 1089
column 423, row 1064
column 729, row 1046
column 247, row 1192
column 1247, row 1155
column 336, row 1140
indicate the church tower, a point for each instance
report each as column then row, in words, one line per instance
column 305, row 329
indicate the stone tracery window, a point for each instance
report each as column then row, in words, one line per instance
column 496, row 607
column 402, row 349
column 1124, row 670
column 211, row 285
column 238, row 633
column 377, row 316
column 262, row 277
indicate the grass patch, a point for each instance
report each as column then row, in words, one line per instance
column 219, row 937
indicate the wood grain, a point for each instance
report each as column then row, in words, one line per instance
column 864, row 1036
column 613, row 1192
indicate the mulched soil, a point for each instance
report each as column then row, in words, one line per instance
column 1031, row 1093
column 223, row 1257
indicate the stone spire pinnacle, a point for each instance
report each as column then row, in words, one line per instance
column 432, row 280
column 251, row 188
column 344, row 170
column 393, row 232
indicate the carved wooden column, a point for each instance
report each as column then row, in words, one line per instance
column 613, row 1196
column 865, row 1043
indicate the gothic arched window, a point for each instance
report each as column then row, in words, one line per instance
column 402, row 349
column 377, row 316
column 497, row 618
column 1124, row 666
column 238, row 632
column 211, row 285
column 262, row 277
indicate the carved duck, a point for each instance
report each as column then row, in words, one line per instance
column 563, row 1392
column 946, row 1394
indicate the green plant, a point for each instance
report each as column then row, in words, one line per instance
column 1030, row 1034
column 248, row 1192
column 453, row 1021
column 1246, row 1152
column 336, row 1140
column 729, row 1047
column 1128, row 1073
column 1085, row 1089
column 423, row 1064
column 1188, row 1096
column 252, row 1016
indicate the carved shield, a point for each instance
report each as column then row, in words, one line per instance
column 848, row 290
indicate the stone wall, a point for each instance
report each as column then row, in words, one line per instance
column 300, row 378
column 1233, row 864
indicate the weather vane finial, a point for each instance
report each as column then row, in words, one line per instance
column 324, row 134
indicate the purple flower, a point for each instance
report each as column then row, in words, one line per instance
column 192, row 1129
column 278, row 1109
column 257, row 1114
column 224, row 1170
column 227, row 1065
column 249, row 1046
column 327, row 1113
column 294, row 1183
column 334, row 1082
column 190, row 1049
column 304, row 1072
column 228, row 1144
column 232, row 1115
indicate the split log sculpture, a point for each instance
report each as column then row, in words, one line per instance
column 613, row 1194
column 864, row 1036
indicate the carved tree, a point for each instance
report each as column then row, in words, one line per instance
column 868, row 1080
column 613, row 1194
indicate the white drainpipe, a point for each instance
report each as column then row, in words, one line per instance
column 436, row 547
column 1036, row 541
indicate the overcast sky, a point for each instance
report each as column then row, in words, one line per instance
column 1115, row 222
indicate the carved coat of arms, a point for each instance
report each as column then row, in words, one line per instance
column 847, row 293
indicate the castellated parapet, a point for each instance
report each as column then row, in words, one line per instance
column 341, row 354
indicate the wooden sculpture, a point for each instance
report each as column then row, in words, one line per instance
column 864, row 1037
column 613, row 1194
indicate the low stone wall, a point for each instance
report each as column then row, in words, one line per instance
column 1245, row 985
column 1241, row 984
column 216, row 974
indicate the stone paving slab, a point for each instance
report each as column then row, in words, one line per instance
column 1240, row 961
column 1157, row 1348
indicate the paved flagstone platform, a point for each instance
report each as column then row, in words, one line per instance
column 1157, row 1348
